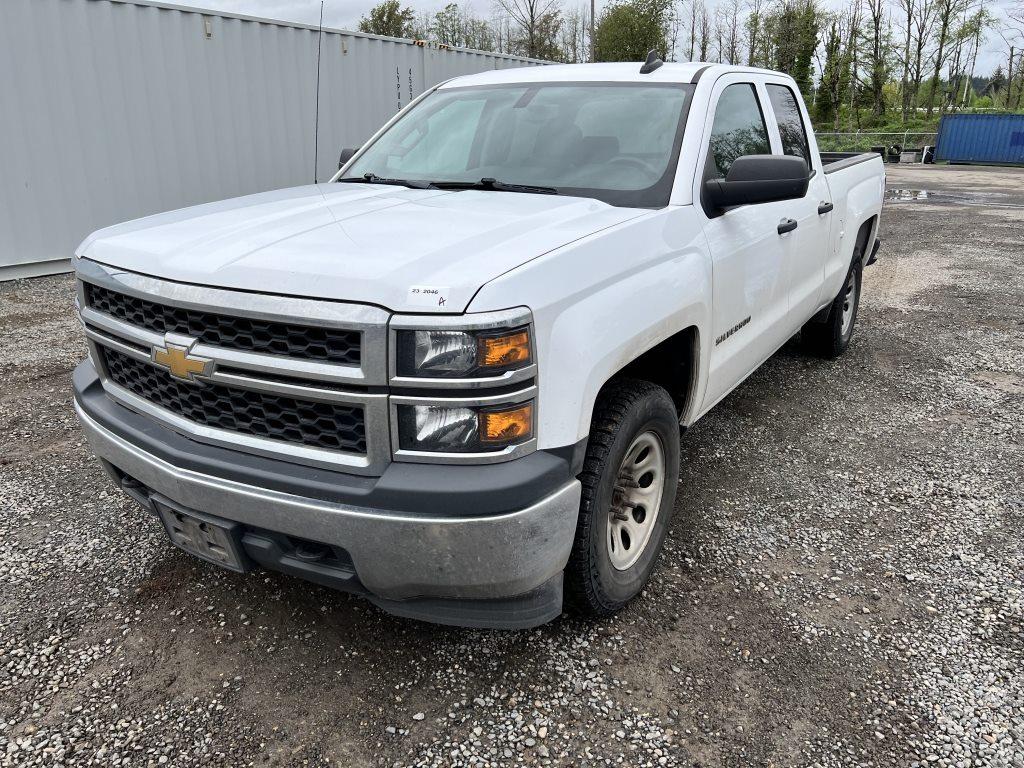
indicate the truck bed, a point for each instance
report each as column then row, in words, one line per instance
column 835, row 161
column 855, row 181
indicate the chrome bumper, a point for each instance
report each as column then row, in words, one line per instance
column 395, row 556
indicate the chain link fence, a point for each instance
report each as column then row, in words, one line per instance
column 865, row 141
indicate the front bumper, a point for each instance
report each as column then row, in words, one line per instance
column 502, row 569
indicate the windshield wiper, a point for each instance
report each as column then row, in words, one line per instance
column 493, row 185
column 372, row 178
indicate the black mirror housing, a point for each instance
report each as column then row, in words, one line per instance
column 346, row 155
column 756, row 179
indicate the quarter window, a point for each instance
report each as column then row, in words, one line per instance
column 791, row 124
column 738, row 130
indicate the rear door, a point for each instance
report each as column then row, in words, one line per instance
column 750, row 295
column 806, row 247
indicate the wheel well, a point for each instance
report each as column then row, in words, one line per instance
column 671, row 364
column 863, row 236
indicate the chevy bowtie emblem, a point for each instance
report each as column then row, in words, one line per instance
column 175, row 358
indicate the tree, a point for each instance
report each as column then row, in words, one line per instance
column 792, row 28
column 996, row 83
column 1015, row 64
column 946, row 13
column 924, row 21
column 835, row 76
column 877, row 59
column 674, row 36
column 478, row 34
column 917, row 22
column 704, row 32
column 573, row 40
column 548, row 33
column 853, row 17
column 630, row 28
column 970, row 33
column 458, row 27
column 907, row 7
column 693, row 27
column 536, row 26
column 388, row 19
column 504, row 34
column 447, row 26
column 729, row 20
column 753, row 27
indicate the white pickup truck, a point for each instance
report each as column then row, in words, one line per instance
column 452, row 380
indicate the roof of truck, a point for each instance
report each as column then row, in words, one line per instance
column 616, row 72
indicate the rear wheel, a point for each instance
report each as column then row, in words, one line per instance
column 830, row 338
column 629, row 488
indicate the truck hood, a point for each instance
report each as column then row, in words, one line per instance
column 403, row 249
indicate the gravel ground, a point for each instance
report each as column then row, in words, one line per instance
column 842, row 584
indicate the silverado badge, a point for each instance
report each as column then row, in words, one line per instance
column 175, row 358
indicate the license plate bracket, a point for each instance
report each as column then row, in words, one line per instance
column 209, row 538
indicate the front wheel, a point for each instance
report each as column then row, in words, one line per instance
column 629, row 488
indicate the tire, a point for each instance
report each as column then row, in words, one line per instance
column 830, row 337
column 612, row 558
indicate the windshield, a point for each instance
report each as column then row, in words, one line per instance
column 614, row 142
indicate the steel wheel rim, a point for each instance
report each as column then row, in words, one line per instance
column 849, row 302
column 636, row 500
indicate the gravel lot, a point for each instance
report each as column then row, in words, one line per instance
column 842, row 584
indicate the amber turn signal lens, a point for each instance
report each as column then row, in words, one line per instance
column 507, row 426
column 500, row 351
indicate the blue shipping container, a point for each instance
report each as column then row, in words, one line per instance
column 997, row 139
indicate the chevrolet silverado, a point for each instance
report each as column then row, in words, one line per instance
column 453, row 379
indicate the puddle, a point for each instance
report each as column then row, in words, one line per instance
column 984, row 199
column 1008, row 383
column 907, row 195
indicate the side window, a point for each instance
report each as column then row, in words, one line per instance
column 738, row 130
column 791, row 125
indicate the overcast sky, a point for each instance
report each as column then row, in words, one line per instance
column 345, row 14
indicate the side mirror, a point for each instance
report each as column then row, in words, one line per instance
column 346, row 155
column 759, row 179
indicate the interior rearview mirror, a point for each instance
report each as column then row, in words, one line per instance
column 346, row 155
column 759, row 179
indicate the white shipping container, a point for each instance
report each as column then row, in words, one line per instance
column 115, row 109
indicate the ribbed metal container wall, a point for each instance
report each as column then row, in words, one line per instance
column 115, row 109
column 997, row 139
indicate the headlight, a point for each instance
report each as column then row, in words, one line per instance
column 464, row 429
column 462, row 354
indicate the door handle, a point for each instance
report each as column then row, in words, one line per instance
column 787, row 225
column 824, row 208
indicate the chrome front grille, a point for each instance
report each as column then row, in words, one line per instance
column 298, row 379
column 333, row 345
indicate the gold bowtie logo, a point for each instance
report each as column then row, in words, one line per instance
column 177, row 360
